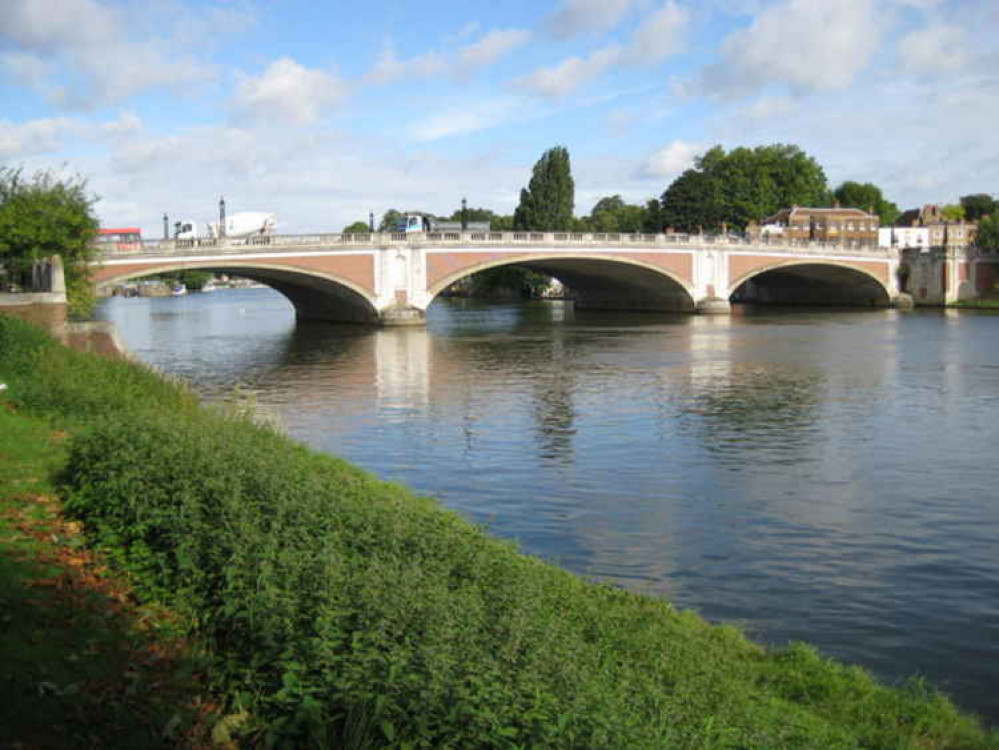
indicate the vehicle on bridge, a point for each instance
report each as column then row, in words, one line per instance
column 409, row 223
column 121, row 239
column 238, row 226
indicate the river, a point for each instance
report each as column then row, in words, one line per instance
column 821, row 476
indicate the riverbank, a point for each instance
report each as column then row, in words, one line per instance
column 339, row 609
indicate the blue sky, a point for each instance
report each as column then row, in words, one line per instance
column 322, row 112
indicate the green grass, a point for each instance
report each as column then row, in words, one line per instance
column 342, row 611
column 82, row 666
column 982, row 303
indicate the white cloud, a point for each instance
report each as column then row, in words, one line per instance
column 768, row 106
column 582, row 16
column 934, row 49
column 468, row 118
column 93, row 48
column 389, row 68
column 671, row 160
column 34, row 137
column 289, row 92
column 569, row 74
column 492, row 47
column 26, row 68
column 660, row 36
column 811, row 45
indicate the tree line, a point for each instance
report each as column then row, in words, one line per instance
column 723, row 192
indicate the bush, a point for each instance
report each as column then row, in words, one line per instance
column 341, row 611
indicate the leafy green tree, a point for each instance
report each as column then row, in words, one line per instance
column 652, row 222
column 734, row 188
column 45, row 216
column 988, row 232
column 952, row 212
column 867, row 197
column 692, row 202
column 547, row 202
column 390, row 220
column 978, row 205
column 358, row 227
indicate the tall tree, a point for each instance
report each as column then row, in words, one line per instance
column 868, row 197
column 358, row 227
column 45, row 216
column 547, row 202
column 978, row 205
column 988, row 232
column 743, row 185
column 390, row 220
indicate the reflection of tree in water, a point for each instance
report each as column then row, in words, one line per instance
column 768, row 405
column 555, row 414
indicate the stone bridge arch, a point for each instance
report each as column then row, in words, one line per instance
column 315, row 295
column 597, row 281
column 812, row 281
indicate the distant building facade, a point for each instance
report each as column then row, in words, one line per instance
column 843, row 225
column 904, row 237
column 941, row 233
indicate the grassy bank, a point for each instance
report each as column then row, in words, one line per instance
column 981, row 303
column 342, row 611
column 85, row 664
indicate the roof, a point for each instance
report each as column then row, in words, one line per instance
column 837, row 212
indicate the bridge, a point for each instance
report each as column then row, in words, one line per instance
column 391, row 279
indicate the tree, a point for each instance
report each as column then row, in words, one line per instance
column 988, row 232
column 978, row 205
column 547, row 202
column 47, row 216
column 358, row 227
column 743, row 185
column 390, row 220
column 652, row 222
column 867, row 197
column 952, row 212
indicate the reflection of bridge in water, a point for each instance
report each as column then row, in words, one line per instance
column 393, row 278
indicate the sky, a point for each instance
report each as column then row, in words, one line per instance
column 322, row 112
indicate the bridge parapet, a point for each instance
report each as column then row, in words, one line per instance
column 389, row 240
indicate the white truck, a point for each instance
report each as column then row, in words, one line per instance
column 237, row 226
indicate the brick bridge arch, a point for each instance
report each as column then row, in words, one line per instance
column 598, row 281
column 315, row 295
column 813, row 281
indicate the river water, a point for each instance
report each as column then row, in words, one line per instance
column 820, row 476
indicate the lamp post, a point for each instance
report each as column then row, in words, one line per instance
column 222, row 216
column 166, row 227
column 371, row 221
column 464, row 214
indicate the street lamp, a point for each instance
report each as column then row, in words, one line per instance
column 166, row 227
column 222, row 216
column 371, row 221
column 464, row 214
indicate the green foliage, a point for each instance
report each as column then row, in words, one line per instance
column 742, row 185
column 867, row 197
column 342, row 611
column 358, row 227
column 978, row 205
column 546, row 204
column 54, row 380
column 47, row 216
column 475, row 214
column 509, row 281
column 390, row 219
column 952, row 212
column 612, row 214
column 988, row 232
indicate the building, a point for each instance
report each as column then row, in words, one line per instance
column 904, row 237
column 942, row 233
column 836, row 224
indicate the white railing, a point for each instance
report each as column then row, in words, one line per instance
column 380, row 240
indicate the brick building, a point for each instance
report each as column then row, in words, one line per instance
column 844, row 225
